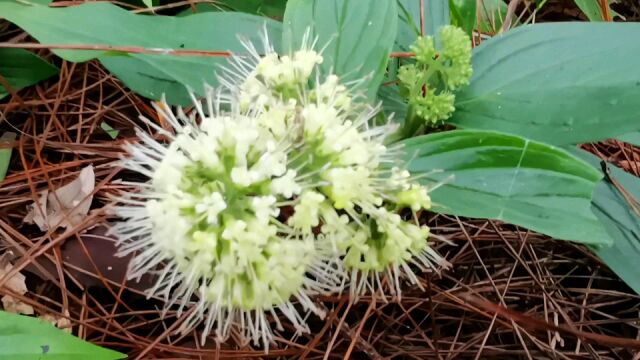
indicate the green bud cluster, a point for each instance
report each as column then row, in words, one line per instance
column 428, row 84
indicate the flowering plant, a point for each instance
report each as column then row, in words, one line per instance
column 276, row 188
column 288, row 180
column 311, row 166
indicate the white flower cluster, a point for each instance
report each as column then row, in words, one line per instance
column 282, row 192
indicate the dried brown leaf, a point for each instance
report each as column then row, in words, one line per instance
column 18, row 285
column 65, row 207
column 58, row 321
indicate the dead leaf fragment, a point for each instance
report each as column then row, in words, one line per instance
column 58, row 321
column 15, row 306
column 91, row 259
column 16, row 284
column 630, row 166
column 65, row 207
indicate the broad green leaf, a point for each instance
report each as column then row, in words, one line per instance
column 631, row 138
column 622, row 224
column 358, row 38
column 463, row 14
column 28, row 338
column 5, row 153
column 505, row 177
column 561, row 83
column 149, row 75
column 22, row 68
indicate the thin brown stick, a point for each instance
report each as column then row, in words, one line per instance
column 533, row 323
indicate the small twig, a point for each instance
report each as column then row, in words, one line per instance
column 604, row 7
column 402, row 55
column 533, row 323
column 508, row 19
column 422, row 22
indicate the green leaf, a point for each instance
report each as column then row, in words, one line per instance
column 28, row 338
column 463, row 13
column 408, row 24
column 392, row 102
column 22, row 68
column 558, row 83
column 5, row 153
column 113, row 133
column 622, row 224
column 358, row 38
column 492, row 14
column 504, row 177
column 148, row 75
column 630, row 138
column 591, row 8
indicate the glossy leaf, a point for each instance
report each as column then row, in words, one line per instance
column 622, row 224
column 557, row 83
column 28, row 338
column 358, row 38
column 149, row 75
column 22, row 68
column 499, row 176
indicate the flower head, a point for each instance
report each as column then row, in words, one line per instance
column 210, row 215
column 275, row 190
column 354, row 195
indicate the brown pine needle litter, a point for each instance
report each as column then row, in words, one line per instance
column 511, row 293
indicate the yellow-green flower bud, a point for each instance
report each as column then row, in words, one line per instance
column 424, row 50
column 428, row 84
